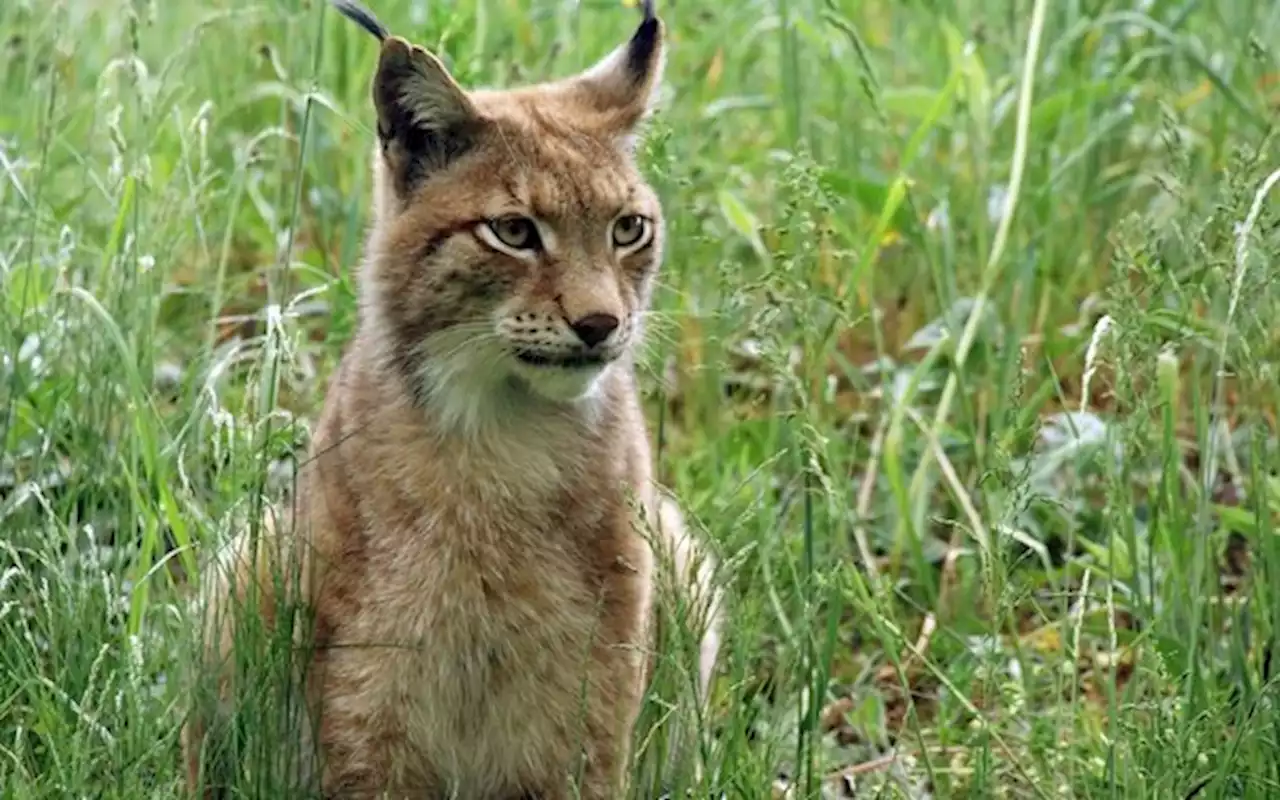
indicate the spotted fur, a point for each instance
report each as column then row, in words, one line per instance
column 473, row 521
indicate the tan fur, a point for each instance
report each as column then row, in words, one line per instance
column 466, row 523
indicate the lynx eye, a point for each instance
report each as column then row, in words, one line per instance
column 630, row 231
column 516, row 233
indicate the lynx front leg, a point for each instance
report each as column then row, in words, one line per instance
column 356, row 746
column 616, row 683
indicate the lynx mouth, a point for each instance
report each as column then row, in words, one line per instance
column 567, row 361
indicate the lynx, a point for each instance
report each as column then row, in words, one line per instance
column 476, row 520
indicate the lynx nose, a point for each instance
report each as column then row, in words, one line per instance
column 595, row 328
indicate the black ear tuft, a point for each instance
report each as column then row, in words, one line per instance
column 622, row 86
column 362, row 17
column 644, row 42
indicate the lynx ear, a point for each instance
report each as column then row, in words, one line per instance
column 623, row 85
column 425, row 120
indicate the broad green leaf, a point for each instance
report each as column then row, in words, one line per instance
column 742, row 221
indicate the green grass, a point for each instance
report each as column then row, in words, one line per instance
column 955, row 565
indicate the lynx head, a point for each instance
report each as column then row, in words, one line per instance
column 514, row 240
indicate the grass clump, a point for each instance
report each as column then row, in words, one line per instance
column 965, row 358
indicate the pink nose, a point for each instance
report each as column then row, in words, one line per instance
column 595, row 328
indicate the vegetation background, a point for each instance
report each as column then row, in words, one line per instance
column 965, row 357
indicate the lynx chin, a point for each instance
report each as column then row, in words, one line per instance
column 476, row 534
